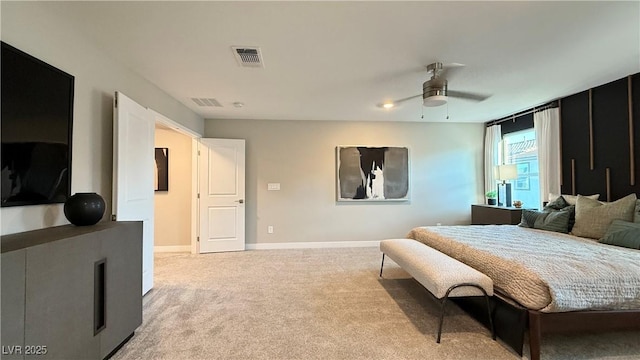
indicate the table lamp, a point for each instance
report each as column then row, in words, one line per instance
column 504, row 173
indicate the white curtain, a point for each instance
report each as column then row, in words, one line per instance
column 492, row 138
column 547, row 127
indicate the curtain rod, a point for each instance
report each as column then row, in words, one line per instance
column 549, row 105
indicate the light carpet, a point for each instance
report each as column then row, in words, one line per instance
column 318, row 304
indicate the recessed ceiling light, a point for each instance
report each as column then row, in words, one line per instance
column 388, row 105
column 238, row 104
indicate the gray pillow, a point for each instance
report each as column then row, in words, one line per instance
column 593, row 217
column 557, row 221
column 623, row 233
column 571, row 199
column 528, row 218
column 636, row 213
column 557, row 204
column 560, row 203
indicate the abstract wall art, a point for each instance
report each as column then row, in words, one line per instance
column 162, row 169
column 366, row 173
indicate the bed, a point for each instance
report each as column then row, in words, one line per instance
column 542, row 276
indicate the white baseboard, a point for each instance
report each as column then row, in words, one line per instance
column 313, row 245
column 172, row 248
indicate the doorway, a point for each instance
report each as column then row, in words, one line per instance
column 174, row 207
column 183, row 219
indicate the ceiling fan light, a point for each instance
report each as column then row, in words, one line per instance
column 435, row 100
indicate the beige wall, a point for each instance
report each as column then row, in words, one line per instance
column 31, row 28
column 173, row 207
column 445, row 179
column 446, row 159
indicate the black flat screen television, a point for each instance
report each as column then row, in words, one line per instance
column 37, row 119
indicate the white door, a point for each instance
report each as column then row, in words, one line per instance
column 221, row 189
column 133, row 169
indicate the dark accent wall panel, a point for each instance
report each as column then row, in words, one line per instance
column 575, row 144
column 611, row 137
column 636, row 126
column 611, row 143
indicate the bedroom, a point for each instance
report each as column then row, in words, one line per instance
column 446, row 156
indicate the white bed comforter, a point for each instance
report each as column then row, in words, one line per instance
column 543, row 270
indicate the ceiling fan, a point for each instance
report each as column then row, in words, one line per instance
column 435, row 91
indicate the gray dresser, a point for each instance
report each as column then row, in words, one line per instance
column 71, row 292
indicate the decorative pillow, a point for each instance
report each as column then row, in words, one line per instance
column 558, row 204
column 636, row 216
column 529, row 218
column 557, row 221
column 561, row 204
column 571, row 199
column 623, row 233
column 593, row 217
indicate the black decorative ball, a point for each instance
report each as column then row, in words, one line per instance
column 83, row 209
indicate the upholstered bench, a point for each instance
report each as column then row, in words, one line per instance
column 441, row 275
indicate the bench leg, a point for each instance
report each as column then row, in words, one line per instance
column 381, row 265
column 493, row 330
column 444, row 302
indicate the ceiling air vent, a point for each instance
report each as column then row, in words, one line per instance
column 206, row 102
column 248, row 56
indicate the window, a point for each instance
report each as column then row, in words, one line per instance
column 520, row 148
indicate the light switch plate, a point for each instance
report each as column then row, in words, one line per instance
column 273, row 186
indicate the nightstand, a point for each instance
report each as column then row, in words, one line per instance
column 497, row 215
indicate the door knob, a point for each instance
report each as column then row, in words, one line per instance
column 241, row 201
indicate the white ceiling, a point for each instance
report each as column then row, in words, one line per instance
column 338, row 60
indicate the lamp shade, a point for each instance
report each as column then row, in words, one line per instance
column 507, row 172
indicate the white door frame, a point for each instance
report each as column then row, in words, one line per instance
column 195, row 203
column 161, row 119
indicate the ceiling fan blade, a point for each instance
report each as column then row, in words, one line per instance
column 406, row 99
column 467, row 95
column 399, row 101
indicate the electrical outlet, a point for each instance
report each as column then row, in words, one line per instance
column 270, row 229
